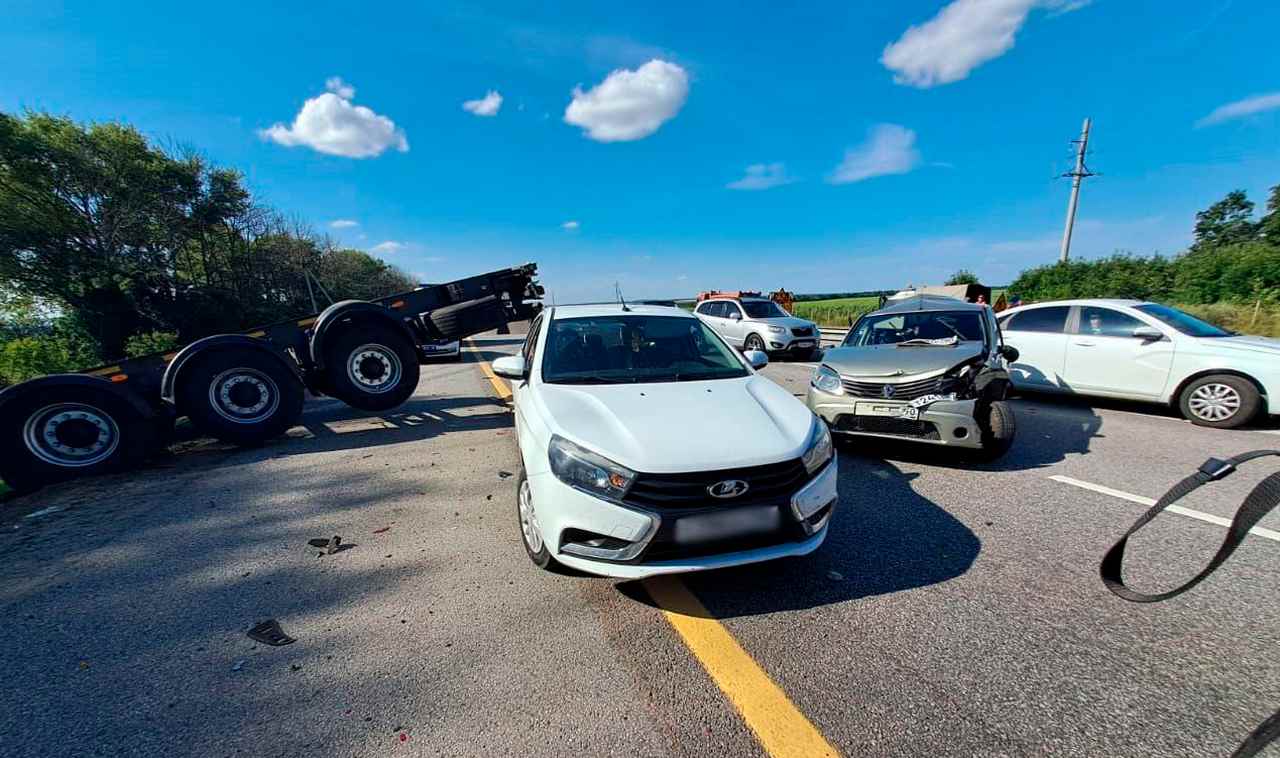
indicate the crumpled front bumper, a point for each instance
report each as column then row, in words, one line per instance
column 946, row 422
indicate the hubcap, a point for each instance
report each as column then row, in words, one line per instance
column 244, row 395
column 529, row 519
column 1214, row 402
column 71, row 434
column 374, row 368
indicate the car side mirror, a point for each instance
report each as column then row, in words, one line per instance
column 510, row 366
column 1148, row 334
column 735, row 316
column 1009, row 353
column 757, row 358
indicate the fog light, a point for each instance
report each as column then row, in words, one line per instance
column 775, row 344
column 961, row 432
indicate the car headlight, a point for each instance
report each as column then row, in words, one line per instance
column 827, row 380
column 819, row 450
column 578, row 467
column 777, row 329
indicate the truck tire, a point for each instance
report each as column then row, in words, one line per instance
column 998, row 431
column 64, row 432
column 373, row 368
column 1220, row 401
column 244, row 397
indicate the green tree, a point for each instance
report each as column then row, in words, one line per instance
column 1226, row 222
column 96, row 219
column 1269, row 226
column 963, row 276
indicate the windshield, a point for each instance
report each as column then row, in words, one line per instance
column 924, row 329
column 763, row 309
column 1183, row 322
column 627, row 349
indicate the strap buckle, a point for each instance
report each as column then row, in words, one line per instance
column 1216, row 468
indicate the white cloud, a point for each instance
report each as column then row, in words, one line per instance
column 340, row 88
column 390, row 247
column 343, row 223
column 762, row 176
column 328, row 123
column 485, row 106
column 570, row 225
column 964, row 35
column 889, row 149
column 630, row 105
column 1242, row 108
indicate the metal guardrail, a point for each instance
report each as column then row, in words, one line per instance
column 832, row 336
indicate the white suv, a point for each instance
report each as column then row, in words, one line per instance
column 649, row 446
column 758, row 323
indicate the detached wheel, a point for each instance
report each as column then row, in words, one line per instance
column 998, row 430
column 1221, row 401
column 243, row 397
column 62, row 432
column 372, row 368
column 753, row 342
column 530, row 533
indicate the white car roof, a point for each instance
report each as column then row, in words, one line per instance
column 615, row 309
column 1081, row 301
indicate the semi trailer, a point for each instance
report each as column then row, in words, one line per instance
column 247, row 387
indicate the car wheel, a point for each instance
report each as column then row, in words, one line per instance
column 753, row 342
column 527, row 519
column 1221, row 401
column 998, row 430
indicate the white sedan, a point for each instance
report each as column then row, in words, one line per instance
column 1144, row 351
column 649, row 446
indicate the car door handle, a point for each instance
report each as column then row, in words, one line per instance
column 1085, row 343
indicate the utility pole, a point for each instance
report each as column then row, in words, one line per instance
column 1077, row 176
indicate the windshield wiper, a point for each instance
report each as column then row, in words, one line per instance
column 922, row 342
column 589, row 380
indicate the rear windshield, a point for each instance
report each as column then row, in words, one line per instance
column 629, row 349
column 928, row 328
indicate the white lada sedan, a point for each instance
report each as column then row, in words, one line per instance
column 650, row 446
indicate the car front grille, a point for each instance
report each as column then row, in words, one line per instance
column 802, row 331
column 900, row 427
column 901, row 390
column 668, row 491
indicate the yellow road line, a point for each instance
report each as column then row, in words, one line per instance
column 499, row 384
column 783, row 731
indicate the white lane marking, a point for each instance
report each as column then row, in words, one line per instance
column 1178, row 509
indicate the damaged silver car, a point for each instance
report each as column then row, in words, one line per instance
column 927, row 368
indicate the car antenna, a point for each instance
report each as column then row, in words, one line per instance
column 618, row 290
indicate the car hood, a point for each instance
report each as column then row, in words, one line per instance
column 682, row 426
column 790, row 322
column 1253, row 344
column 890, row 361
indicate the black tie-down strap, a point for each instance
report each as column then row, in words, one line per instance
column 1260, row 501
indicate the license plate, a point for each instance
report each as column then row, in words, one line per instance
column 924, row 400
column 726, row 525
column 878, row 409
column 802, row 343
column 909, row 413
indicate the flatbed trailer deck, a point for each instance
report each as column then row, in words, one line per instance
column 249, row 386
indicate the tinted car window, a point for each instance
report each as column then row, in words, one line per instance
column 1183, row 322
column 730, row 308
column 1105, row 322
column 763, row 309
column 1053, row 320
column 707, row 309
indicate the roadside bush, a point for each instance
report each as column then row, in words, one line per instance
column 28, row 357
column 150, row 342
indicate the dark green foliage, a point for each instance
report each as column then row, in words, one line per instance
column 963, row 276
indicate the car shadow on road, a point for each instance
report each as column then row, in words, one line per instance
column 884, row 537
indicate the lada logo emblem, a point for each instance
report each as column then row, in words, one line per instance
column 887, row 391
column 728, row 488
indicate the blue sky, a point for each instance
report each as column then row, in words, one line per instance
column 891, row 142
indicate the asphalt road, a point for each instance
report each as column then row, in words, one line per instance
column 954, row 610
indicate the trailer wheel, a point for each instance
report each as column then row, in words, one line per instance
column 373, row 368
column 64, row 432
column 244, row 397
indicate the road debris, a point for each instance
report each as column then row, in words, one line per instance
column 383, row 529
column 269, row 633
column 330, row 546
column 505, row 474
column 835, row 576
column 43, row 511
column 238, row 665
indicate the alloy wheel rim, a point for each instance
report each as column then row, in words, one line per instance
column 244, row 395
column 71, row 435
column 374, row 368
column 1215, row 402
column 529, row 519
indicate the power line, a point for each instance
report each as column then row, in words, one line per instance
column 1077, row 177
